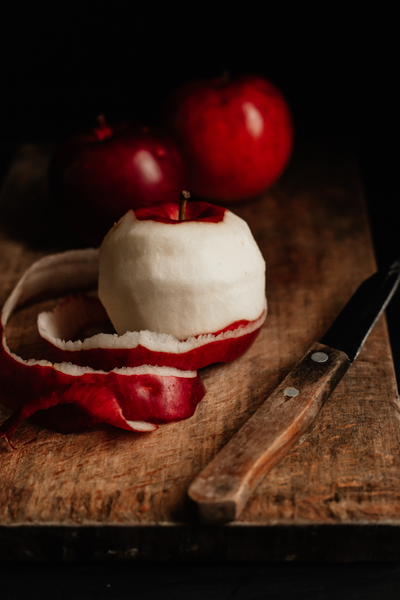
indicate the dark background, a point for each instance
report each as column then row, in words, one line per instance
column 61, row 65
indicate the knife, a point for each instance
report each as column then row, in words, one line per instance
column 223, row 487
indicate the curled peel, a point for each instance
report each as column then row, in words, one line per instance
column 69, row 397
column 61, row 327
column 107, row 350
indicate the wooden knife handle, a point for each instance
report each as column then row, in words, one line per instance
column 223, row 487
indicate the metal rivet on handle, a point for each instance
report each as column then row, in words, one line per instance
column 319, row 357
column 290, row 391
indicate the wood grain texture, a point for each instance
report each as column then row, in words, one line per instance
column 109, row 493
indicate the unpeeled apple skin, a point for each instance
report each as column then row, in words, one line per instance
column 184, row 279
column 95, row 177
column 236, row 136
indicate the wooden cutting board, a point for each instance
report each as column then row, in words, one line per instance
column 109, row 494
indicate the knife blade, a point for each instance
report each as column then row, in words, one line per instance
column 225, row 484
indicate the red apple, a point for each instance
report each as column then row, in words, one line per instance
column 236, row 136
column 96, row 176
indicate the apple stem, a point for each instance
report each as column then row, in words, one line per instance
column 101, row 120
column 103, row 130
column 185, row 195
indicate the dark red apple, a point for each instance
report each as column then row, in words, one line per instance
column 236, row 135
column 95, row 177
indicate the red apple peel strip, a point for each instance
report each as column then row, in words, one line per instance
column 80, row 312
column 135, row 399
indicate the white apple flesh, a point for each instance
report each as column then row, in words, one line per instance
column 183, row 279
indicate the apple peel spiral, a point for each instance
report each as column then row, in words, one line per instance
column 109, row 350
column 70, row 397
column 137, row 379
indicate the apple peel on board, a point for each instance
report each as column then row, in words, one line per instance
column 139, row 378
column 69, row 398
